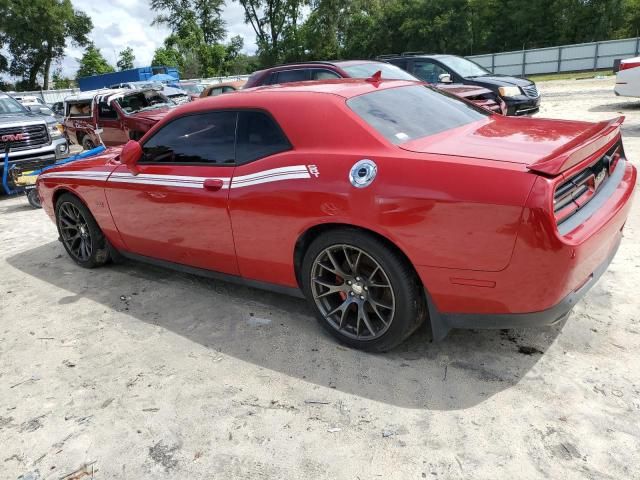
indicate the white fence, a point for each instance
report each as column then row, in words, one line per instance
column 53, row 96
column 566, row 58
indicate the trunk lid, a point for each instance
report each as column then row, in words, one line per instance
column 542, row 145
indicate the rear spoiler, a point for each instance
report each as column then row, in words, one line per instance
column 583, row 146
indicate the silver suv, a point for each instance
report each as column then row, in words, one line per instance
column 34, row 140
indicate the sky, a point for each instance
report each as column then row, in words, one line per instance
column 118, row 24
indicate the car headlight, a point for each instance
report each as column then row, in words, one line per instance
column 56, row 130
column 509, row 91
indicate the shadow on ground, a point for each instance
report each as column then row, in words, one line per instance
column 280, row 333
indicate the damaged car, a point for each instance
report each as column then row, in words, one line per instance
column 112, row 116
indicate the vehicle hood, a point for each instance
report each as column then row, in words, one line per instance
column 463, row 90
column 23, row 118
column 528, row 141
column 501, row 80
column 151, row 115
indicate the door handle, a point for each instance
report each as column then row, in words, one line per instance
column 213, row 184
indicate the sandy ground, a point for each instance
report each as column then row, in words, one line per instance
column 135, row 372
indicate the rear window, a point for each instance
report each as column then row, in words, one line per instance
column 406, row 113
column 365, row 70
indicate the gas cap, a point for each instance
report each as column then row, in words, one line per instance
column 363, row 173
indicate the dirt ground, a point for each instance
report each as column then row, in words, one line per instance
column 134, row 372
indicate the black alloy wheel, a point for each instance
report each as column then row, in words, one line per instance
column 364, row 291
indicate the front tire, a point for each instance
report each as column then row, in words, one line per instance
column 79, row 232
column 87, row 143
column 364, row 292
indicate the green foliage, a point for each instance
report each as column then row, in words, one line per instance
column 367, row 28
column 61, row 82
column 187, row 15
column 35, row 34
column 125, row 59
column 93, row 63
column 277, row 25
column 194, row 45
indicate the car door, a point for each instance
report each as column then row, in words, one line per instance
column 267, row 170
column 428, row 71
column 174, row 206
column 112, row 131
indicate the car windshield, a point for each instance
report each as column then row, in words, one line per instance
column 140, row 101
column 9, row 105
column 365, row 70
column 463, row 67
column 405, row 113
column 192, row 88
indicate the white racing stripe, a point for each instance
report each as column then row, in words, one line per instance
column 77, row 175
column 272, row 178
column 273, row 175
column 165, row 180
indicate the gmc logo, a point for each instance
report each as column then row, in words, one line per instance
column 14, row 137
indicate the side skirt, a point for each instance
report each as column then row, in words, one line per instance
column 291, row 291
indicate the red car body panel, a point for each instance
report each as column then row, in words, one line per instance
column 463, row 206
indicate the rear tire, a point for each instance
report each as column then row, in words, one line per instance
column 79, row 232
column 33, row 198
column 364, row 293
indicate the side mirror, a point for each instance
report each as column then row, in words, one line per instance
column 35, row 108
column 130, row 154
column 444, row 78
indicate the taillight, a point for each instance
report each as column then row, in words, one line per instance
column 575, row 192
column 628, row 65
column 570, row 195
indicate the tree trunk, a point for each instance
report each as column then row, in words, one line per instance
column 47, row 67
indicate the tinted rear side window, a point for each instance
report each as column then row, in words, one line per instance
column 258, row 136
column 406, row 113
column 287, row 76
column 203, row 138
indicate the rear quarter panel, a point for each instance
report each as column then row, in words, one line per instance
column 441, row 211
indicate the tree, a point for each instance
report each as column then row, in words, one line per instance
column 93, row 63
column 36, row 32
column 125, row 59
column 164, row 56
column 184, row 15
column 59, row 81
column 276, row 24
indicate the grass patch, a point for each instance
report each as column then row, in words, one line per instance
column 570, row 76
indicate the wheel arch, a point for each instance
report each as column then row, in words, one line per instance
column 313, row 232
column 58, row 192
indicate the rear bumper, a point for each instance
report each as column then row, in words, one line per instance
column 549, row 270
column 441, row 323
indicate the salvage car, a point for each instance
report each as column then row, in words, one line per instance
column 628, row 78
column 297, row 72
column 520, row 95
column 220, row 88
column 346, row 191
column 112, row 116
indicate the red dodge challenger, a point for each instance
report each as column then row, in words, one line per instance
column 384, row 202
